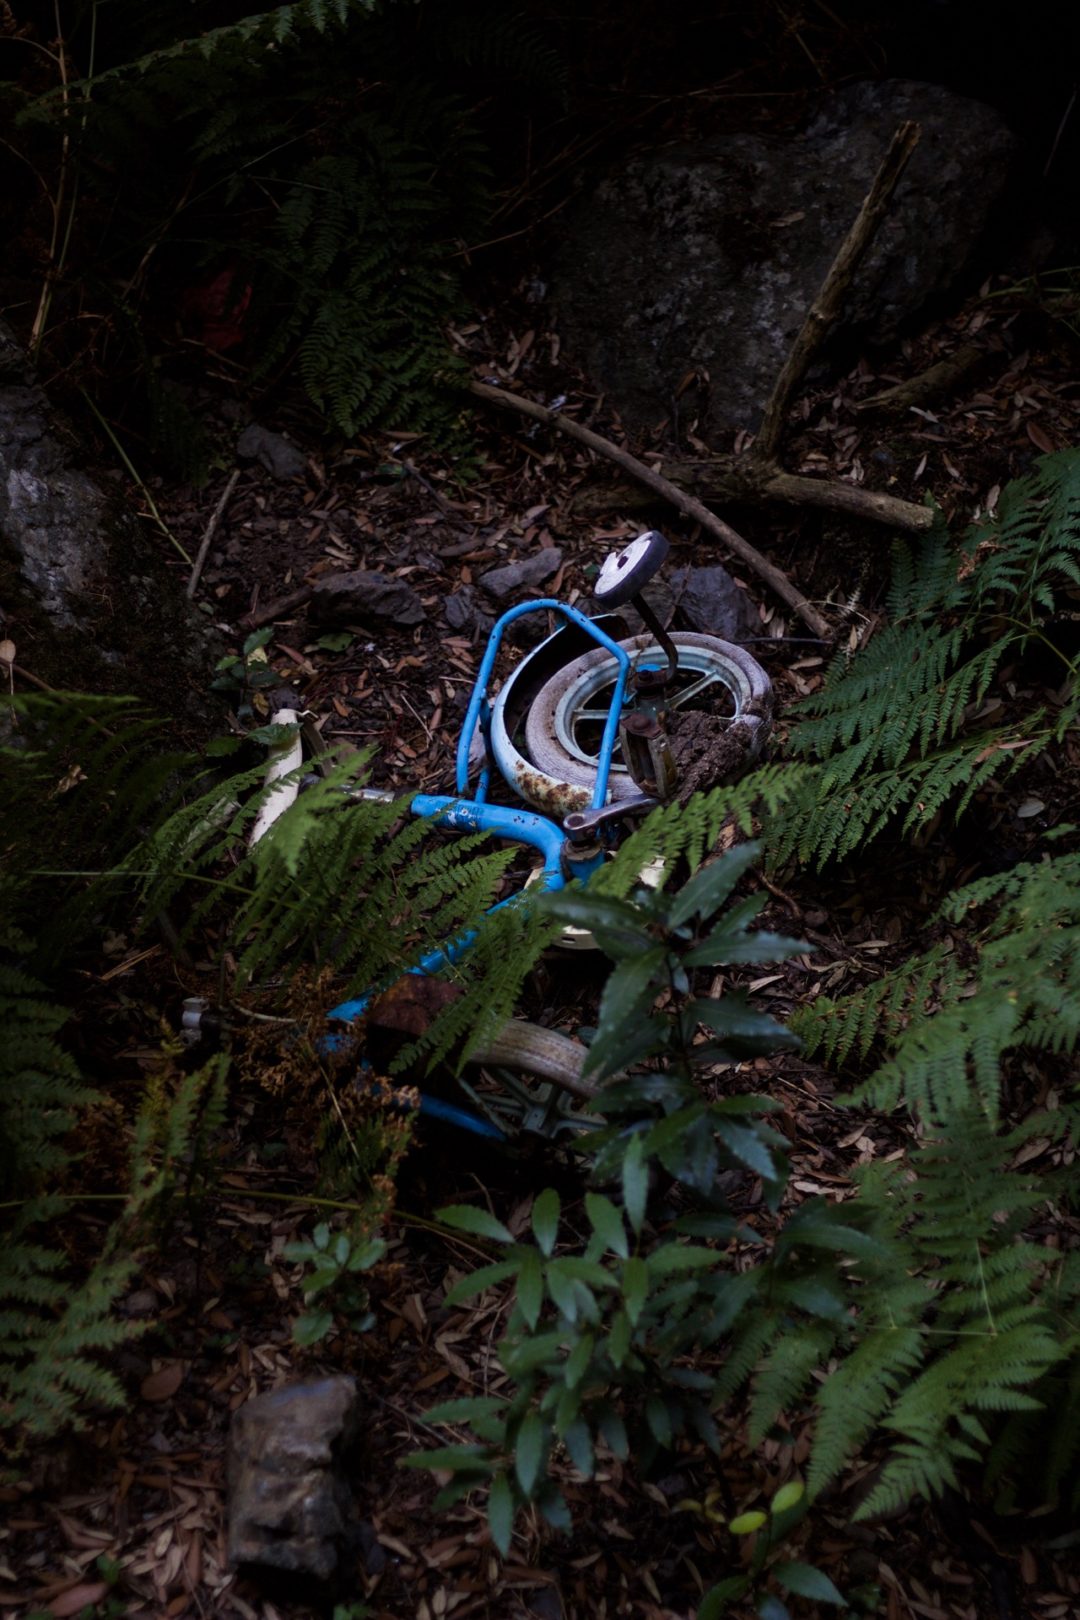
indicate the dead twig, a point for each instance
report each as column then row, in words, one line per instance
column 687, row 504
column 935, row 380
column 826, row 306
column 279, row 609
column 209, row 533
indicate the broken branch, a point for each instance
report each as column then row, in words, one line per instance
column 826, row 306
column 687, row 504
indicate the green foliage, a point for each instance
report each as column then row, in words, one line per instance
column 899, row 730
column 321, row 163
column 948, row 1030
column 79, row 777
column 336, row 1260
column 768, row 1530
column 848, row 1028
column 601, row 1344
column 40, row 1086
column 52, row 1326
column 690, row 832
column 972, row 1329
column 941, row 1323
column 310, row 888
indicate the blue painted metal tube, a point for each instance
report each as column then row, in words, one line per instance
column 462, row 815
column 478, row 712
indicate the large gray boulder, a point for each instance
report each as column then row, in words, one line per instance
column 706, row 257
column 85, row 593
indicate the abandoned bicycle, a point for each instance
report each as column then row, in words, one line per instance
column 586, row 731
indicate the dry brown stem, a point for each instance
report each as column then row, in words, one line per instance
column 826, row 306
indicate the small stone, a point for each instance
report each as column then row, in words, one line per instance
column 530, row 571
column 463, row 611
column 142, row 1302
column 290, row 1508
column 711, row 602
column 363, row 597
column 272, row 451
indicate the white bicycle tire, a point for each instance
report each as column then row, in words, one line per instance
column 557, row 772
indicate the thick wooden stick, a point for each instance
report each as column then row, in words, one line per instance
column 826, row 306
column 939, row 379
column 741, row 478
column 687, row 504
column 835, row 496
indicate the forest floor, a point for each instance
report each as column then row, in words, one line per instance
column 129, row 1516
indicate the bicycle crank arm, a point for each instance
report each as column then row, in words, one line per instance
column 580, row 825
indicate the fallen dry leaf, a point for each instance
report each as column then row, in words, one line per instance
column 163, row 1384
column 76, row 1598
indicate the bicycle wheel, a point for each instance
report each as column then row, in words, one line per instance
column 526, row 1083
column 566, row 719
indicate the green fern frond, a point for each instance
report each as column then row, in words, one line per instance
column 898, row 730
column 1025, row 991
column 855, row 1397
column 691, row 831
column 851, row 1025
column 785, row 1374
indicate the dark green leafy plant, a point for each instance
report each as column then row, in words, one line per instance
column 320, row 163
column 53, row 1329
column 601, row 1344
column 1021, row 990
column 902, row 729
column 769, row 1529
column 336, row 1259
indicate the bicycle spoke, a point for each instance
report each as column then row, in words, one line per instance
column 709, row 678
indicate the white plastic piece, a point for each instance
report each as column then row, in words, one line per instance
column 285, row 758
column 625, row 572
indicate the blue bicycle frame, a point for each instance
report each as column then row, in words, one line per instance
column 462, row 814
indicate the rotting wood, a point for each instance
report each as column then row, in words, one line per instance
column 688, row 504
column 929, row 384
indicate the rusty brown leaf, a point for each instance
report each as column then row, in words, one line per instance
column 163, row 1384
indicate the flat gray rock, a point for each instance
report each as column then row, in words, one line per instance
column 529, row 572
column 290, row 1507
column 709, row 600
column 464, row 611
column 364, row 597
column 272, row 451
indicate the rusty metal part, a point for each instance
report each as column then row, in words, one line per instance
column 648, row 755
column 584, row 823
column 562, row 780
